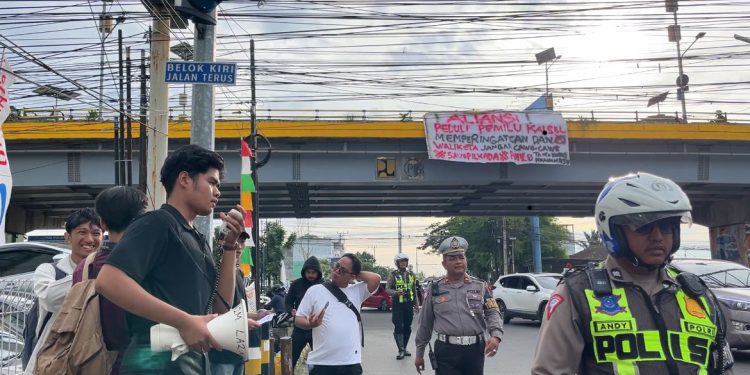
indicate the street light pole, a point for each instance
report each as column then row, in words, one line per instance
column 680, row 84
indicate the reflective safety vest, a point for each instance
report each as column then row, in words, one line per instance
column 618, row 340
column 407, row 284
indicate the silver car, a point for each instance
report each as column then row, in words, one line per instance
column 730, row 282
column 17, row 264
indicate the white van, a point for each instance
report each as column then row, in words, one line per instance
column 46, row 235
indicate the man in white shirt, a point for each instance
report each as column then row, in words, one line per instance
column 84, row 234
column 336, row 330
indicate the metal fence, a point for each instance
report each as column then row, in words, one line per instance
column 16, row 298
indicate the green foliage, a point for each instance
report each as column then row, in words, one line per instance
column 92, row 115
column 14, row 115
column 592, row 239
column 273, row 243
column 368, row 264
column 483, row 233
column 325, row 268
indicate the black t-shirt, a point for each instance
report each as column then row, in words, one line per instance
column 173, row 269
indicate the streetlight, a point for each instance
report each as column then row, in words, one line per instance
column 546, row 57
column 682, row 79
column 673, row 32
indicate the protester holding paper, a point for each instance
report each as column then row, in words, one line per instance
column 163, row 271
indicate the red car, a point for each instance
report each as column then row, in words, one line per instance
column 380, row 300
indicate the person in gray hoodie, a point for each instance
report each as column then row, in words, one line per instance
column 311, row 275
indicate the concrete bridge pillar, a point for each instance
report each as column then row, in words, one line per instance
column 728, row 225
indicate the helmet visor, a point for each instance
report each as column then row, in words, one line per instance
column 636, row 221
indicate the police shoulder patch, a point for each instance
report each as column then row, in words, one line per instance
column 555, row 300
column 490, row 304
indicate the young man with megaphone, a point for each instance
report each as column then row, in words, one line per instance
column 162, row 271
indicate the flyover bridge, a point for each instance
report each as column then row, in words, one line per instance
column 330, row 169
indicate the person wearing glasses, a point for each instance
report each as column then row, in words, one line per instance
column 461, row 310
column 633, row 314
column 336, row 326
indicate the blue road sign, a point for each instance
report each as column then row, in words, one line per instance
column 205, row 73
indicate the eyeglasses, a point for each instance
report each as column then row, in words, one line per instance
column 338, row 268
column 666, row 226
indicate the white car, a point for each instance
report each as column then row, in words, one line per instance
column 18, row 260
column 524, row 295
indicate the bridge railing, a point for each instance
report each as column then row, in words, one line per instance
column 182, row 114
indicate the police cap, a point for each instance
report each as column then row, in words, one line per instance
column 453, row 245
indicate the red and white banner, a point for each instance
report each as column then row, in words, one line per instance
column 498, row 137
column 6, row 180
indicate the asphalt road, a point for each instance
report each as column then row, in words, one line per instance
column 514, row 356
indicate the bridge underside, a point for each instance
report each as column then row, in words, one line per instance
column 307, row 200
column 340, row 178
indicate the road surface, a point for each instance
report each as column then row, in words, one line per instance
column 514, row 356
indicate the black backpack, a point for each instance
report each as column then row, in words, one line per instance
column 32, row 318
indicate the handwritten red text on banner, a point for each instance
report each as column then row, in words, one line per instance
column 498, row 137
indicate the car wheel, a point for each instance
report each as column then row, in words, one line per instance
column 540, row 313
column 503, row 314
column 383, row 305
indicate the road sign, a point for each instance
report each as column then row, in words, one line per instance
column 206, row 73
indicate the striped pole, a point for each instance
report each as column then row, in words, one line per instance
column 247, row 188
column 253, row 364
column 265, row 343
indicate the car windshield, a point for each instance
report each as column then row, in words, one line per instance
column 719, row 275
column 548, row 282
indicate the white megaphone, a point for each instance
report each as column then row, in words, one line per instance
column 228, row 329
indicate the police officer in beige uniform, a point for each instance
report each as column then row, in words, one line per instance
column 634, row 314
column 460, row 309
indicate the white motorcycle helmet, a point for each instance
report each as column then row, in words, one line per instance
column 399, row 257
column 637, row 200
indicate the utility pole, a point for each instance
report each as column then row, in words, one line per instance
column 120, row 152
column 674, row 34
column 254, row 168
column 202, row 116
column 505, row 248
column 158, row 103
column 128, row 119
column 142, row 140
column 536, row 244
column 103, row 31
column 682, row 86
column 399, row 235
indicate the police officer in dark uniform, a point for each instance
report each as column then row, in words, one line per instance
column 404, row 290
column 462, row 312
column 633, row 314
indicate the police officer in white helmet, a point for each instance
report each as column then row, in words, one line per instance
column 633, row 314
column 404, row 290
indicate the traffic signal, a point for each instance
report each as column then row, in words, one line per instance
column 200, row 11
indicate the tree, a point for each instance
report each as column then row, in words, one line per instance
column 273, row 242
column 592, row 239
column 368, row 264
column 92, row 115
column 483, row 233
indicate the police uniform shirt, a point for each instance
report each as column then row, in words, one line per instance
column 459, row 309
column 560, row 346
